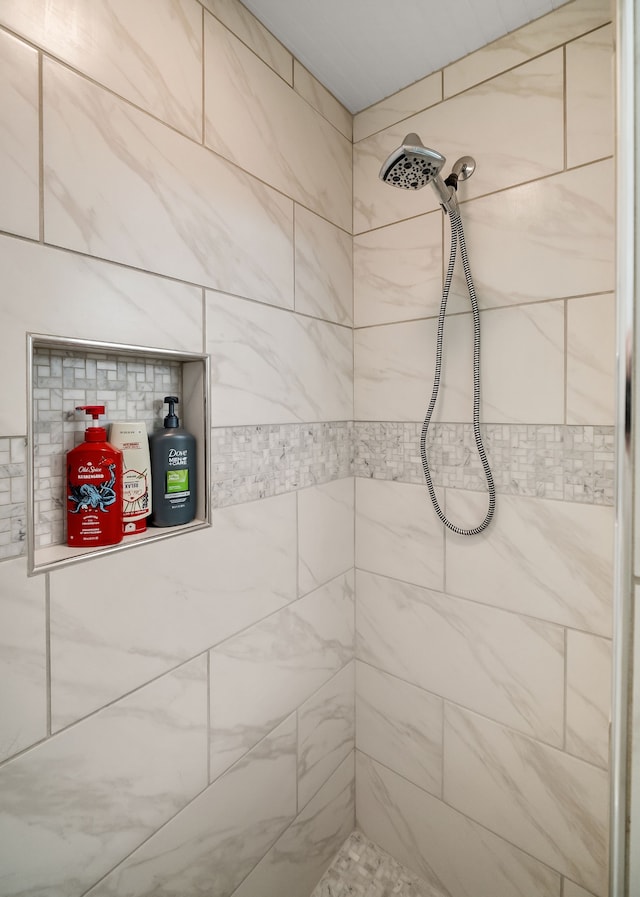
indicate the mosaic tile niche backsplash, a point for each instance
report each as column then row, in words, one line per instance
column 129, row 388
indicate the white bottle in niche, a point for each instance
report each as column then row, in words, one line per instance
column 132, row 440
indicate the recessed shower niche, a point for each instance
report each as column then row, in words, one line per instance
column 131, row 382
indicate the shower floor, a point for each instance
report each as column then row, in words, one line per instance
column 362, row 869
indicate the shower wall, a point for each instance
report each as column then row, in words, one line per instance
column 174, row 715
column 482, row 673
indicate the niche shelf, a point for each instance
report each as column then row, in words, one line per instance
column 131, row 381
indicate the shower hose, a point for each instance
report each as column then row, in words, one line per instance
column 457, row 238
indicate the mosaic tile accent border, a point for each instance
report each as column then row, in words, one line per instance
column 362, row 869
column 130, row 388
column 13, row 495
column 567, row 463
column 260, row 461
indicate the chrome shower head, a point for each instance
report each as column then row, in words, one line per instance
column 413, row 165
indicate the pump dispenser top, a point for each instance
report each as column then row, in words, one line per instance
column 94, row 432
column 172, row 419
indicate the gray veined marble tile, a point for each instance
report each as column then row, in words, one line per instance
column 565, row 23
column 148, row 197
column 548, row 559
column 47, row 290
column 107, row 642
column 252, row 32
column 149, row 52
column 261, row 675
column 496, row 122
column 398, row 272
column 400, row 726
column 508, row 667
column 588, row 697
column 326, row 732
column 397, row 533
column 77, row 804
column 452, row 853
column 19, row 165
column 23, row 698
column 298, row 859
column 324, row 268
column 325, row 533
column 210, row 846
column 256, row 120
column 590, row 97
column 558, row 812
column 547, row 239
column 274, row 366
column 317, row 95
column 591, row 356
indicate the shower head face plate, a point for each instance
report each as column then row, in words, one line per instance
column 412, row 165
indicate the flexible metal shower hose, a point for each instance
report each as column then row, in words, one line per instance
column 457, row 237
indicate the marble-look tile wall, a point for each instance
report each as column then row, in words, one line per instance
column 482, row 664
column 181, row 712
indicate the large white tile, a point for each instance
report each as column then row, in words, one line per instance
column 261, row 675
column 521, row 363
column 549, row 559
column 272, row 366
column 447, row 849
column 393, row 371
column 146, row 196
column 544, row 240
column 108, row 640
column 397, row 533
column 326, row 732
column 149, row 52
column 23, row 661
column 591, row 360
column 498, row 123
column 424, row 93
column 588, row 697
column 317, row 95
column 565, row 23
column 508, row 667
column 557, row 812
column 253, row 33
column 53, row 292
column 590, row 97
column 19, row 151
column 397, row 271
column 324, row 268
column 214, row 842
column 297, row 861
column 325, row 533
column 256, row 120
column 573, row 890
column 79, row 803
column 400, row 726
column 521, row 367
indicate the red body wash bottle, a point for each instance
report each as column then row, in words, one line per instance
column 94, row 488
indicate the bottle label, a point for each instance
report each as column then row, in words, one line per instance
column 177, row 483
column 93, row 487
column 135, row 491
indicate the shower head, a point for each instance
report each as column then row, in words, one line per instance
column 413, row 165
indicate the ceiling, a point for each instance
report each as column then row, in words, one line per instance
column 365, row 50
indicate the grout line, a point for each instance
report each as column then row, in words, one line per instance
column 40, row 148
column 48, row 649
column 565, row 129
column 209, row 717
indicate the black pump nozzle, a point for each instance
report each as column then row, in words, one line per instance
column 171, row 420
